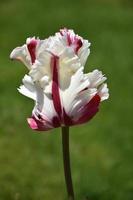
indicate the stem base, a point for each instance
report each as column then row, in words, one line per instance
column 66, row 161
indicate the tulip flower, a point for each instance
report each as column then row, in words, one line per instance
column 64, row 95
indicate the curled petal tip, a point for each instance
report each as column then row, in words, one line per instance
column 12, row 55
column 16, row 54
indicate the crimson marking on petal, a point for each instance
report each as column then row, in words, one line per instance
column 69, row 39
column 74, row 41
column 32, row 49
column 55, row 85
column 63, row 31
column 67, row 120
column 78, row 44
column 89, row 110
column 56, row 122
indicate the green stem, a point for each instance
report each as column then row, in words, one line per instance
column 66, row 160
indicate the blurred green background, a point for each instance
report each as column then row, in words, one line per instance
column 101, row 151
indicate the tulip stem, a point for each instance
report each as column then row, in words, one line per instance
column 66, row 161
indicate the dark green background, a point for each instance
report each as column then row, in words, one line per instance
column 102, row 150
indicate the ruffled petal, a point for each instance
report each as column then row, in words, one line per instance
column 96, row 78
column 44, row 115
column 70, row 95
column 103, row 92
column 82, row 98
column 84, row 52
column 63, row 94
column 89, row 110
column 77, row 43
column 26, row 53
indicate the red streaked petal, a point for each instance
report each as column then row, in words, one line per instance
column 69, row 40
column 78, row 44
column 32, row 49
column 72, row 40
column 55, row 85
column 89, row 110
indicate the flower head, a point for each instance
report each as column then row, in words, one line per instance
column 63, row 94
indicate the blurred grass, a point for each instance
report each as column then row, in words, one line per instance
column 102, row 150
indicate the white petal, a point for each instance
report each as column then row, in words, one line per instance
column 81, row 90
column 23, row 90
column 28, row 82
column 69, row 63
column 28, row 89
column 84, row 52
column 76, row 93
column 96, row 78
column 21, row 54
column 41, row 67
column 103, row 92
column 43, row 101
column 44, row 106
